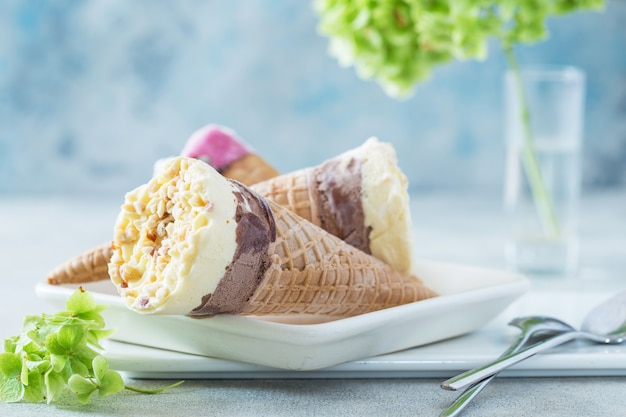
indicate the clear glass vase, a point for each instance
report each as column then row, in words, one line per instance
column 544, row 112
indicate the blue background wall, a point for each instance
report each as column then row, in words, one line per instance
column 92, row 92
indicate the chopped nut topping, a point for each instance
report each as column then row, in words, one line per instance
column 158, row 221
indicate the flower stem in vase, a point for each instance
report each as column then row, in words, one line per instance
column 541, row 195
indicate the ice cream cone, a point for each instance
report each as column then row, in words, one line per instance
column 250, row 169
column 316, row 273
column 225, row 151
column 359, row 196
column 193, row 242
column 86, row 267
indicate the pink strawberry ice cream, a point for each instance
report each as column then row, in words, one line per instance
column 217, row 145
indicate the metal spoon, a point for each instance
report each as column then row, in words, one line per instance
column 604, row 324
column 531, row 327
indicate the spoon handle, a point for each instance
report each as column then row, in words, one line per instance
column 470, row 393
column 465, row 398
column 474, row 375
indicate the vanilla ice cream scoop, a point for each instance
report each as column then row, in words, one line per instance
column 176, row 237
column 360, row 196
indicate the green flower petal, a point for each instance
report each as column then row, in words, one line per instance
column 11, row 389
column 111, row 383
column 80, row 301
column 70, row 336
column 81, row 385
column 371, row 35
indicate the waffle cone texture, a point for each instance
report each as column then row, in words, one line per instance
column 313, row 272
column 250, row 169
column 86, row 267
column 294, row 191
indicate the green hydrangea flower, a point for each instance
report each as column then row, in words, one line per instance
column 400, row 42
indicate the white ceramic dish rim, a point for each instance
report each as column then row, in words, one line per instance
column 311, row 346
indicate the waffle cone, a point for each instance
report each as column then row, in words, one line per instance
column 296, row 191
column 316, row 273
column 250, row 169
column 86, row 267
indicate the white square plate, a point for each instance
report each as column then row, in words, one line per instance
column 469, row 298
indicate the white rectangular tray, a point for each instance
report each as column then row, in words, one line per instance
column 469, row 298
column 436, row 360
